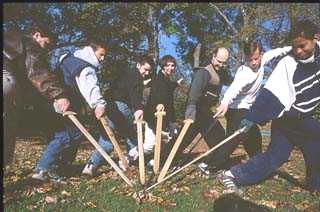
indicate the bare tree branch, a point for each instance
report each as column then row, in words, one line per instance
column 235, row 31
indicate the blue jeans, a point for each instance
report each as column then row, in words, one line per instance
column 61, row 149
column 120, row 119
column 285, row 134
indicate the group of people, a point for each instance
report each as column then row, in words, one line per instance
column 289, row 98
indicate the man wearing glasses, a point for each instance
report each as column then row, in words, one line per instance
column 203, row 94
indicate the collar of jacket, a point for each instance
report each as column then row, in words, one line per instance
column 87, row 54
column 215, row 79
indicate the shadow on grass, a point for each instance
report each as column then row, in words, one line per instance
column 234, row 203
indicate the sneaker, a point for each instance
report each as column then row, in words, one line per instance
column 150, row 166
column 89, row 170
column 44, row 175
column 121, row 165
column 40, row 175
column 204, row 168
column 133, row 154
column 229, row 183
column 54, row 177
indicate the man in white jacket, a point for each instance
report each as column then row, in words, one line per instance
column 79, row 75
column 290, row 99
column 242, row 93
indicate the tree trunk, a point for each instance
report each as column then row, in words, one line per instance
column 196, row 56
column 153, row 32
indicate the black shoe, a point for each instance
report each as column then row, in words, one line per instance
column 229, row 183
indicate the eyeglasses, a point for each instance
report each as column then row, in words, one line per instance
column 221, row 62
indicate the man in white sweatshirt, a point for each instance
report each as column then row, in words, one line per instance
column 242, row 93
column 290, row 99
column 78, row 71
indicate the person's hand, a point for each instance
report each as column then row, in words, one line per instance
column 245, row 124
column 61, row 105
column 160, row 107
column 138, row 114
column 99, row 111
column 190, row 112
column 221, row 110
column 180, row 81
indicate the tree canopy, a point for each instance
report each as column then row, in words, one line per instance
column 131, row 29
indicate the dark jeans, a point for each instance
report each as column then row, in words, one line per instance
column 9, row 88
column 251, row 140
column 217, row 134
column 285, row 134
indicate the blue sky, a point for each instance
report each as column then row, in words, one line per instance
column 167, row 45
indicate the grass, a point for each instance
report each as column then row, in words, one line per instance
column 189, row 191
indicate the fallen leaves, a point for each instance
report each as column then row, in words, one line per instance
column 51, row 199
column 142, row 197
column 43, row 190
column 270, row 203
column 303, row 205
column 65, row 194
column 211, row 195
column 90, row 204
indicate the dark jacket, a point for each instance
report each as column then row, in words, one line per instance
column 28, row 62
column 162, row 89
column 128, row 88
column 205, row 89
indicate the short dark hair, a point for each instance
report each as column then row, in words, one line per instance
column 250, row 46
column 166, row 59
column 35, row 27
column 143, row 59
column 303, row 28
column 95, row 44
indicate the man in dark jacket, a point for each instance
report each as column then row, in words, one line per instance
column 25, row 66
column 161, row 97
column 204, row 93
column 126, row 102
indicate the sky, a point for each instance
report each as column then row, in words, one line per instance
column 167, row 45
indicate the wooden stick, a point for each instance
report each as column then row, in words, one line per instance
column 198, row 137
column 175, row 147
column 198, row 158
column 114, row 141
column 157, row 148
column 142, row 172
column 194, row 142
column 71, row 115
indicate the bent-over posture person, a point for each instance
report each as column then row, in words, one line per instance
column 289, row 98
column 242, row 93
column 25, row 69
column 78, row 71
column 126, row 104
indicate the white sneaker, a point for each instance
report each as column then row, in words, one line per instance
column 150, row 163
column 133, row 154
column 41, row 175
column 89, row 170
column 204, row 168
column 121, row 165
